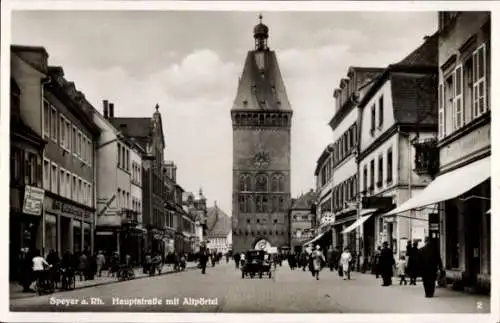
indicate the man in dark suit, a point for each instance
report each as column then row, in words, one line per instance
column 386, row 264
column 430, row 263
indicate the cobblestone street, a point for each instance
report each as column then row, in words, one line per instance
column 289, row 291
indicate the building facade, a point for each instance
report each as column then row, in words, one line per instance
column 218, row 230
column 115, row 213
column 60, row 113
column 302, row 220
column 172, row 220
column 464, row 141
column 461, row 224
column 148, row 134
column 398, row 112
column 344, row 163
column 261, row 117
column 140, row 233
column 26, row 185
column 324, row 179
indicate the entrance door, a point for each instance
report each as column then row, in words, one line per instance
column 473, row 217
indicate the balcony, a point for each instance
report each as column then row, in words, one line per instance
column 426, row 157
column 118, row 218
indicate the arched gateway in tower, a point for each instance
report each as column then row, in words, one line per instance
column 261, row 117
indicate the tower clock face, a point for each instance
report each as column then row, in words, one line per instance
column 262, row 159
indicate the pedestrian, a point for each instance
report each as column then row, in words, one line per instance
column 413, row 263
column 376, row 262
column 39, row 265
column 317, row 260
column 401, row 266
column 237, row 260
column 204, row 256
column 100, row 261
column 430, row 264
column 329, row 258
column 386, row 264
column 26, row 269
column 345, row 261
column 82, row 265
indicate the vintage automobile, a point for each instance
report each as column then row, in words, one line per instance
column 257, row 262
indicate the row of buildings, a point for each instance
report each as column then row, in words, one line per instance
column 85, row 180
column 410, row 155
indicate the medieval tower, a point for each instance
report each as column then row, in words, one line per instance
column 261, row 117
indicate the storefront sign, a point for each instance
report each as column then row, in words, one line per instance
column 467, row 145
column 33, row 200
column 66, row 208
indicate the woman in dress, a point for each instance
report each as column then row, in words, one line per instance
column 317, row 260
column 345, row 261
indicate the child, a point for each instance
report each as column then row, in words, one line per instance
column 401, row 265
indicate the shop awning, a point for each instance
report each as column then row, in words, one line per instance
column 315, row 239
column 448, row 186
column 365, row 215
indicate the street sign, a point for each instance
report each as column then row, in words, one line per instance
column 376, row 202
column 107, row 205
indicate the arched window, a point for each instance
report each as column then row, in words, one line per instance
column 245, row 183
column 261, row 183
column 275, row 183
column 274, row 204
column 281, row 183
column 265, row 204
column 248, row 204
column 281, row 204
column 258, row 203
column 242, row 203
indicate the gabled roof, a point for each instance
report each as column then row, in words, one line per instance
column 413, row 85
column 261, row 90
column 413, row 98
column 324, row 155
column 425, row 54
column 218, row 222
column 133, row 127
column 305, row 201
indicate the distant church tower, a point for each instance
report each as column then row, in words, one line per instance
column 261, row 117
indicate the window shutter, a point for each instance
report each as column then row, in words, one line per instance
column 458, row 99
column 441, row 117
column 479, row 79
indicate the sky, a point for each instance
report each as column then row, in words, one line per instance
column 189, row 63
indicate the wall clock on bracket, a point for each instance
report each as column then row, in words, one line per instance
column 262, row 159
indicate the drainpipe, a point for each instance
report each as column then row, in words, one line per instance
column 410, row 185
column 359, row 233
column 44, row 81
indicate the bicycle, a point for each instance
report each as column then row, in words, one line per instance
column 44, row 283
column 68, row 280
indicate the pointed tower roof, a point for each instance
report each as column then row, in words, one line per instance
column 261, row 85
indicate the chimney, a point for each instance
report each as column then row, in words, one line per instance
column 111, row 110
column 105, row 105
